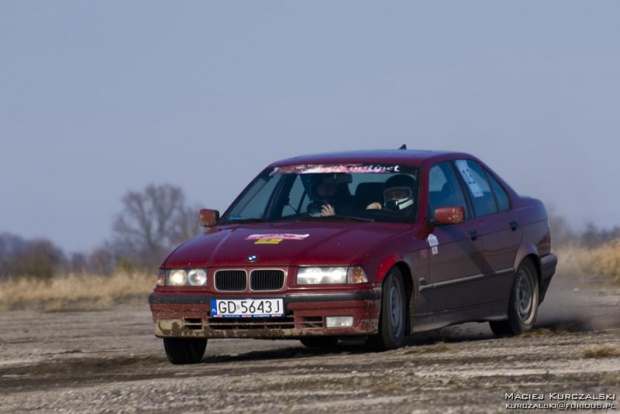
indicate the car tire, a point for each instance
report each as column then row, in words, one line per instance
column 185, row 350
column 320, row 341
column 523, row 304
column 392, row 317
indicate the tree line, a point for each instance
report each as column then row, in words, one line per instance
column 151, row 222
column 563, row 234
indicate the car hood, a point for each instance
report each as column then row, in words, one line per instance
column 283, row 244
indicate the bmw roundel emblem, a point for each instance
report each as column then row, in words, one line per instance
column 252, row 258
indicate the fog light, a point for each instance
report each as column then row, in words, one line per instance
column 339, row 321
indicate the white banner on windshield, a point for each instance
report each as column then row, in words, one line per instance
column 338, row 168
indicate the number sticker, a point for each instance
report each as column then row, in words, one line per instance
column 469, row 179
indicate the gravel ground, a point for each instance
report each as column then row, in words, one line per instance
column 109, row 361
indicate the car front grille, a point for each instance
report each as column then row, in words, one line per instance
column 231, row 280
column 267, row 279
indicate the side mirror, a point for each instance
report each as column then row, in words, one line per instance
column 209, row 218
column 449, row 215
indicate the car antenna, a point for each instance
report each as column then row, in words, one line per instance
column 404, row 146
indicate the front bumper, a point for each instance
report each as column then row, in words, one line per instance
column 183, row 315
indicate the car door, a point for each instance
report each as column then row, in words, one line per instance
column 454, row 250
column 500, row 233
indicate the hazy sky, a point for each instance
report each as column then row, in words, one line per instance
column 97, row 98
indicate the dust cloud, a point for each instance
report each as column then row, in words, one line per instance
column 578, row 303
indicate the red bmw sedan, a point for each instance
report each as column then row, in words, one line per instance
column 375, row 244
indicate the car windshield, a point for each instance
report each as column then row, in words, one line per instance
column 334, row 192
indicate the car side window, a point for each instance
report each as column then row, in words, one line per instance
column 477, row 186
column 444, row 189
column 503, row 201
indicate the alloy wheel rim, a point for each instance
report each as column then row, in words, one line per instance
column 525, row 303
column 395, row 309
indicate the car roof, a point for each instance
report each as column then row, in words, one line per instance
column 411, row 157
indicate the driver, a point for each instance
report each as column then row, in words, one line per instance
column 329, row 194
column 397, row 195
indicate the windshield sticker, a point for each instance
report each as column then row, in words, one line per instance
column 340, row 168
column 286, row 236
column 473, row 185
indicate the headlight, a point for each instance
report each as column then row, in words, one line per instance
column 189, row 277
column 177, row 277
column 330, row 275
column 197, row 277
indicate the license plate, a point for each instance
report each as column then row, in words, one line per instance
column 247, row 308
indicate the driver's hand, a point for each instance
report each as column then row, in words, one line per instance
column 327, row 210
column 374, row 206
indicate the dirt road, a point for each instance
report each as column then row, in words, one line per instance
column 109, row 361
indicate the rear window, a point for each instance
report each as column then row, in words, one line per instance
column 503, row 201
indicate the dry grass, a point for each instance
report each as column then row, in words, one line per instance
column 603, row 261
column 74, row 292
column 601, row 351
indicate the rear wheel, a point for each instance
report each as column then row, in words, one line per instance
column 185, row 350
column 392, row 318
column 320, row 341
column 523, row 305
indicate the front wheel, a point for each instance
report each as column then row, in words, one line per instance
column 523, row 305
column 185, row 350
column 392, row 317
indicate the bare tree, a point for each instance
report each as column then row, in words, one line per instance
column 10, row 245
column 152, row 221
column 101, row 260
column 77, row 263
column 187, row 225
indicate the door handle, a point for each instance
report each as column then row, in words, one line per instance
column 473, row 234
column 513, row 225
